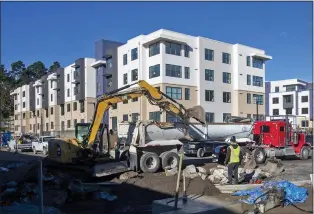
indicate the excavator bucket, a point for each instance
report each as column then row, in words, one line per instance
column 198, row 113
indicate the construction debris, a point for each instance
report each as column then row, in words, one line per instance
column 128, row 175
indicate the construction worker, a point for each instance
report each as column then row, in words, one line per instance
column 233, row 160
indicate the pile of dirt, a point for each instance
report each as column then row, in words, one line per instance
column 145, row 188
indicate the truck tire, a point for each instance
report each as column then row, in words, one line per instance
column 170, row 160
column 305, row 153
column 259, row 155
column 45, row 151
column 149, row 162
column 200, row 153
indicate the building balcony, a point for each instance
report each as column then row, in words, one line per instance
column 52, row 77
column 162, row 35
column 13, row 92
column 38, row 83
column 261, row 56
column 99, row 63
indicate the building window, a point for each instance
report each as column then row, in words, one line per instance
column 114, row 123
column 125, row 59
column 15, row 107
column 225, row 116
column 209, row 75
column 226, row 77
column 275, row 100
column 23, row 93
column 135, row 117
column 209, row 95
column 291, row 88
column 226, row 58
column 37, row 101
column 186, row 51
column 276, row 89
column 187, row 72
column 51, row 97
column 248, row 61
column 154, row 71
column 173, row 48
column 288, row 110
column 68, row 78
column 170, row 118
column 258, row 81
column 248, row 98
column 125, row 101
column 154, row 49
column 209, row 55
column 134, row 74
column 82, row 106
column 258, row 98
column 23, row 115
column 37, row 113
column 174, row 92
column 248, row 79
column 69, row 123
column 51, row 111
column 82, row 120
column 68, row 92
column 74, row 122
column 98, row 87
column 74, row 106
column 30, row 127
column 114, row 106
column 125, row 117
column 226, row 97
column 16, row 117
column 275, row 112
column 187, row 94
column 134, row 54
column 51, row 125
column 109, row 62
column 258, row 63
column 109, row 81
column 62, row 109
column 37, row 89
column 304, row 111
column 304, row 99
column 287, row 98
column 135, row 99
column 68, row 107
column 125, row 79
column 173, row 71
column 62, row 126
column 304, row 123
column 210, row 117
column 58, row 93
column 23, row 104
column 47, row 126
column 155, row 116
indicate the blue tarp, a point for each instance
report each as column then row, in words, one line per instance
column 293, row 193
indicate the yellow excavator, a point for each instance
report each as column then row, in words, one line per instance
column 88, row 146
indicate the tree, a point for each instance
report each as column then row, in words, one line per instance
column 6, row 84
column 17, row 68
column 54, row 66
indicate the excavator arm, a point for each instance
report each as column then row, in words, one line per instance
column 154, row 96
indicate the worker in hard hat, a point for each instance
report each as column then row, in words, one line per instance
column 233, row 160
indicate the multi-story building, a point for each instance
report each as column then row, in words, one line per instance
column 57, row 101
column 223, row 78
column 297, row 92
column 106, row 65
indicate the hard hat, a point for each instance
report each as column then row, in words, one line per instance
column 233, row 139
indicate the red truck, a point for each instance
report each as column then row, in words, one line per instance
column 275, row 138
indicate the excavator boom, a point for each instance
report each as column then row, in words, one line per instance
column 154, row 96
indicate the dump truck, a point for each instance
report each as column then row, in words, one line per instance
column 143, row 153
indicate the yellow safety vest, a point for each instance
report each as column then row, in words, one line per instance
column 234, row 155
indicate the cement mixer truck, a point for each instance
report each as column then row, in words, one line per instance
column 153, row 144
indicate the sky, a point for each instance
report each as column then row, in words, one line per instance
column 65, row 31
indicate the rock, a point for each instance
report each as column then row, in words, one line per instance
column 201, row 170
column 171, row 172
column 241, row 170
column 128, row 175
column 211, row 178
column 190, row 172
column 221, row 167
column 219, row 173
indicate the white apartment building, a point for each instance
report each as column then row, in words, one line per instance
column 295, row 91
column 57, row 101
column 221, row 77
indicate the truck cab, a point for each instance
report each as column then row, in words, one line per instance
column 40, row 144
